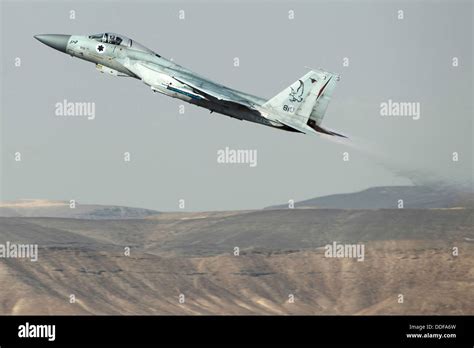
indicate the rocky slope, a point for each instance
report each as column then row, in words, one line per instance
column 407, row 252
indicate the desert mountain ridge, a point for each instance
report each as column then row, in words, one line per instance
column 62, row 209
column 382, row 197
column 387, row 197
column 281, row 253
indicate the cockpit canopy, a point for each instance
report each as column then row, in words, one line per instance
column 119, row 40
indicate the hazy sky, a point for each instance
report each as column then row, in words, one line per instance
column 174, row 156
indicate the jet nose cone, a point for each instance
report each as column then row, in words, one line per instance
column 56, row 41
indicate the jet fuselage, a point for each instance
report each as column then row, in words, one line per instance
column 298, row 108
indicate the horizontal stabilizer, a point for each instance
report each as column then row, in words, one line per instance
column 300, row 127
column 304, row 128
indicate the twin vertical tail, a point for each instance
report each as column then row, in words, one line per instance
column 302, row 105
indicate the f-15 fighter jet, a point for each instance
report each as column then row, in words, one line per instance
column 299, row 108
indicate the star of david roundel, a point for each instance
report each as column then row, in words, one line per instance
column 100, row 48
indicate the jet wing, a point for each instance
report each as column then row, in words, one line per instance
column 199, row 85
column 212, row 95
column 210, row 90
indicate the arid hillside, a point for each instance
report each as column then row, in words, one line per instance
column 280, row 267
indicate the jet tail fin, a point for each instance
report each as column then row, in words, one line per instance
column 304, row 103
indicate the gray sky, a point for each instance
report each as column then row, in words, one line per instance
column 174, row 155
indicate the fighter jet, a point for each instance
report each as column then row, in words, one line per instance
column 298, row 108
